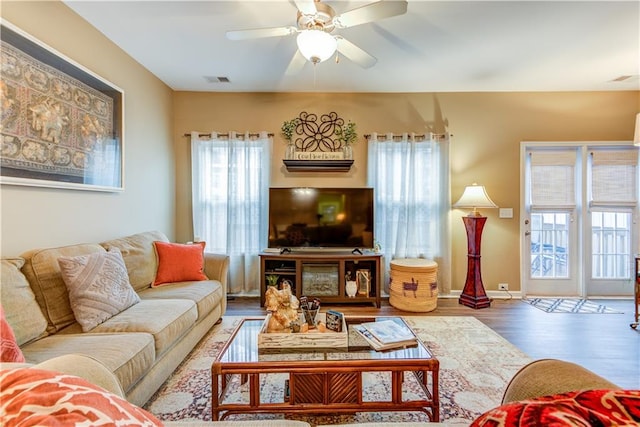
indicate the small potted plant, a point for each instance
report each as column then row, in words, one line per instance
column 288, row 130
column 348, row 136
column 272, row 279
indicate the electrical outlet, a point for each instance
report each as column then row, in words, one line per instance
column 503, row 286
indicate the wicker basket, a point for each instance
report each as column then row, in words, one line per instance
column 414, row 284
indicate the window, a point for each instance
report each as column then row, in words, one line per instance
column 581, row 218
column 549, row 244
column 552, row 201
column 611, row 245
column 230, row 179
column 409, row 175
column 613, row 195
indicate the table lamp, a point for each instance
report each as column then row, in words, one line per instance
column 475, row 196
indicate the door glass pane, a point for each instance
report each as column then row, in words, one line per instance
column 611, row 245
column 549, row 245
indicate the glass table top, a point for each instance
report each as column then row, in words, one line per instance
column 244, row 348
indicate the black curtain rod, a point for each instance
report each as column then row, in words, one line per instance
column 226, row 134
column 399, row 135
column 367, row 136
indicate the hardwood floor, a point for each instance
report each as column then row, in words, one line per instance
column 603, row 343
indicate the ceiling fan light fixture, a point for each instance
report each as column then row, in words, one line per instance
column 316, row 45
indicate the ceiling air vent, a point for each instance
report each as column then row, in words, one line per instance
column 625, row 78
column 213, row 79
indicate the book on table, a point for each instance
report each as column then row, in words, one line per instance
column 387, row 334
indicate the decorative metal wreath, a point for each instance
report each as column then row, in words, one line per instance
column 311, row 135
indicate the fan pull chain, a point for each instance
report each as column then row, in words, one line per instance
column 315, row 66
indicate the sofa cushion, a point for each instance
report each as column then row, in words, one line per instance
column 9, row 350
column 207, row 294
column 21, row 309
column 179, row 262
column 43, row 272
column 46, row 398
column 139, row 256
column 579, row 408
column 98, row 286
column 128, row 356
column 166, row 320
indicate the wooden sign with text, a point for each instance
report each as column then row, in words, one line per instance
column 319, row 155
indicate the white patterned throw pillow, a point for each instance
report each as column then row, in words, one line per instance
column 98, row 286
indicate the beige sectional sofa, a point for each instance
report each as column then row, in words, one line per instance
column 141, row 345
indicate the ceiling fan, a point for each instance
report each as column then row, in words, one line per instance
column 315, row 23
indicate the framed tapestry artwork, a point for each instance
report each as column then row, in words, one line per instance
column 61, row 125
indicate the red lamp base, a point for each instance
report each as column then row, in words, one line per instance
column 473, row 295
column 482, row 301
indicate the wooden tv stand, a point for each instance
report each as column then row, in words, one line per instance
column 322, row 275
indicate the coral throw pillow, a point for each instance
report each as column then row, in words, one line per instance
column 98, row 286
column 579, row 408
column 9, row 349
column 30, row 396
column 179, row 262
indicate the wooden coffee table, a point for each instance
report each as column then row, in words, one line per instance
column 323, row 381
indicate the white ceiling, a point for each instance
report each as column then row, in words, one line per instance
column 437, row 46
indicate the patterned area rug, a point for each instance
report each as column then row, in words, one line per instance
column 475, row 365
column 562, row 305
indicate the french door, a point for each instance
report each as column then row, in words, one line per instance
column 553, row 251
column 579, row 219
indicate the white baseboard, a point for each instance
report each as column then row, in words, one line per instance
column 453, row 294
column 491, row 294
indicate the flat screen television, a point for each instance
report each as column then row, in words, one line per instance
column 321, row 218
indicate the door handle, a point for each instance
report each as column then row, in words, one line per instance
column 527, row 233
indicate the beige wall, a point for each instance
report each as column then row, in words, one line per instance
column 486, row 130
column 39, row 217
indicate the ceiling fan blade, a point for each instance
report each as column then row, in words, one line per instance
column 371, row 12
column 296, row 65
column 306, row 7
column 355, row 54
column 260, row 33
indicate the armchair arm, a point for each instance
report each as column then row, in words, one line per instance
column 216, row 267
column 84, row 367
column 547, row 377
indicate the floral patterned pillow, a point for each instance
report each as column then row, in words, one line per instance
column 9, row 349
column 579, row 408
column 30, row 396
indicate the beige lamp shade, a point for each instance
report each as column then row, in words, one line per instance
column 636, row 135
column 475, row 196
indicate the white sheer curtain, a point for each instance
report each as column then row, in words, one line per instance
column 410, row 177
column 230, row 180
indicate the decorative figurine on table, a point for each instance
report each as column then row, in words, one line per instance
column 351, row 286
column 283, row 306
column 310, row 311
